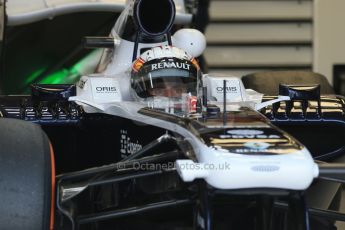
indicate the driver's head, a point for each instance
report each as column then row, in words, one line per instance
column 164, row 71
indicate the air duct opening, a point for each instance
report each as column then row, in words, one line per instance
column 155, row 17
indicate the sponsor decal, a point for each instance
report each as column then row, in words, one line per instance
column 257, row 145
column 231, row 89
column 168, row 65
column 128, row 146
column 106, row 89
column 82, row 83
column 245, row 132
column 249, row 136
column 165, row 51
column 251, row 150
column 265, row 168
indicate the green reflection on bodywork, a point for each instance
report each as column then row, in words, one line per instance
column 64, row 75
column 57, row 77
column 34, row 75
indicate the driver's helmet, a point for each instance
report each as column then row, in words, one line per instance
column 165, row 71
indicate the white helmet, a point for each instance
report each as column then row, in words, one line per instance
column 165, row 71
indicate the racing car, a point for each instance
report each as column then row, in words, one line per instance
column 149, row 141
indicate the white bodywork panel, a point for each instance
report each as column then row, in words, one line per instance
column 99, row 89
column 23, row 12
column 219, row 168
column 235, row 91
